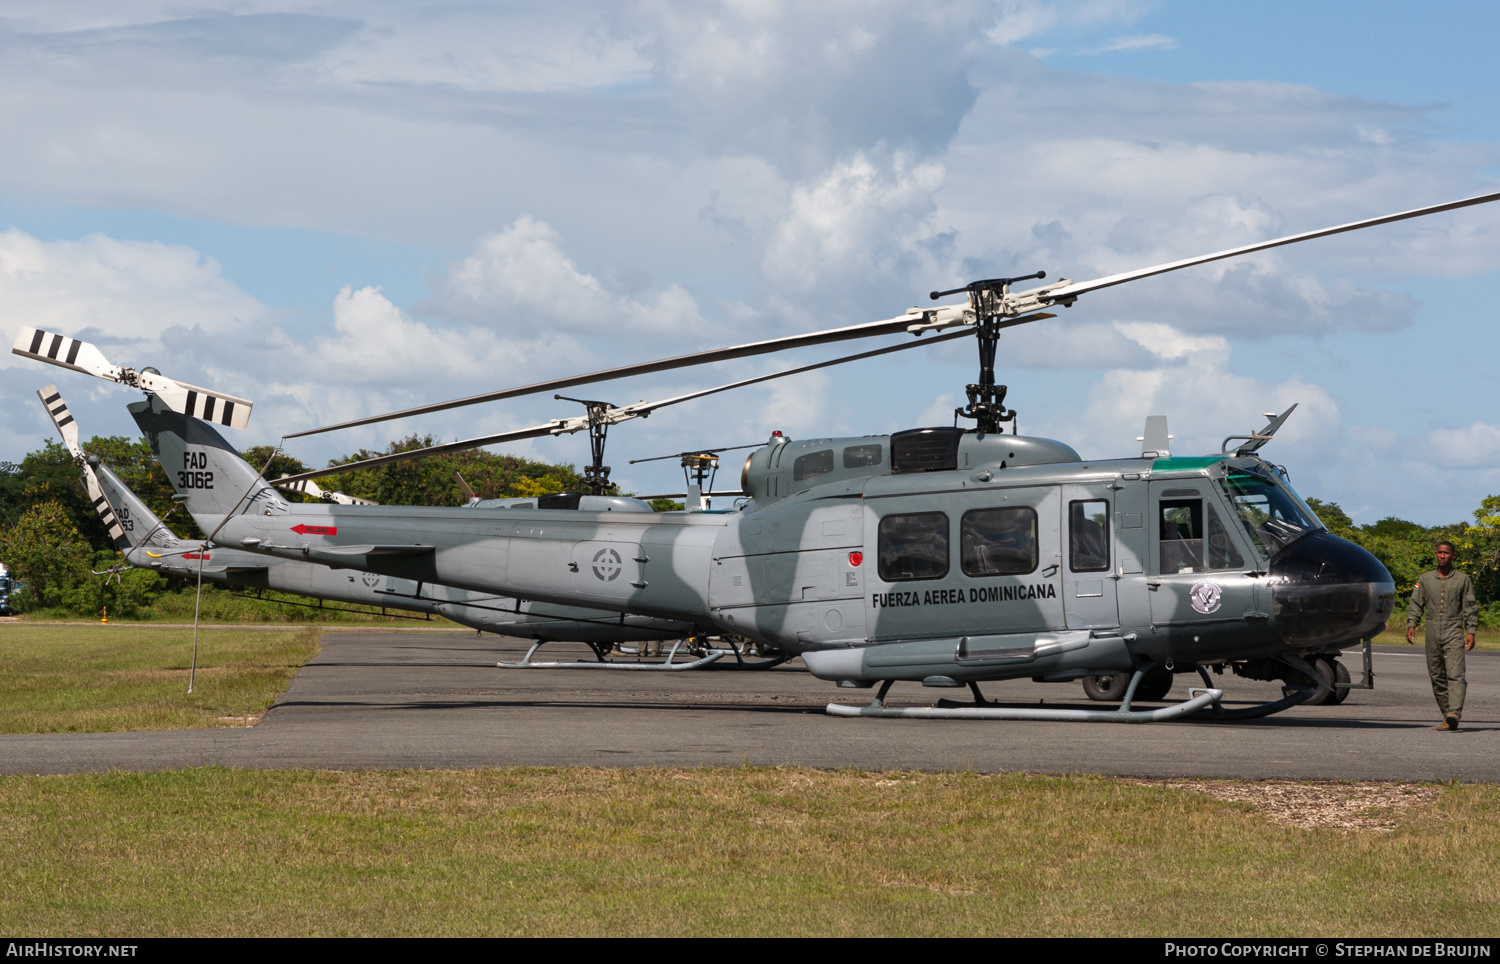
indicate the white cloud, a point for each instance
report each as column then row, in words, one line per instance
column 1149, row 41
column 520, row 280
column 117, row 293
column 1021, row 20
column 854, row 223
column 468, row 48
column 1204, row 399
column 1476, row 446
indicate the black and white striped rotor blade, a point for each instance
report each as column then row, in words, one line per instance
column 301, row 487
column 309, row 487
column 65, row 352
column 62, row 419
column 80, row 356
column 57, row 410
column 102, row 506
column 190, row 400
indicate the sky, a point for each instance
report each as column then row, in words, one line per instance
column 340, row 209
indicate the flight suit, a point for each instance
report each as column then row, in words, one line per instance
column 1451, row 613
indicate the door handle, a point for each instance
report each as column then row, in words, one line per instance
column 1153, row 584
column 1050, row 571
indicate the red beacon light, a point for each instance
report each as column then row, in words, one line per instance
column 855, row 558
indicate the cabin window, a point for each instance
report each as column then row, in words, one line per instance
column 913, row 546
column 812, row 465
column 999, row 542
column 1088, row 535
column 1180, row 525
column 859, row 456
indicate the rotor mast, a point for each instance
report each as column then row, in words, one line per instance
column 596, row 474
column 987, row 300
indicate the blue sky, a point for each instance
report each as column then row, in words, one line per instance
column 339, row 209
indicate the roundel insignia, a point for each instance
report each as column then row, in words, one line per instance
column 1205, row 597
column 607, row 565
column 369, row 579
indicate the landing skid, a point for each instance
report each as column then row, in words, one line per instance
column 1201, row 704
column 1198, row 700
column 1290, row 696
column 601, row 661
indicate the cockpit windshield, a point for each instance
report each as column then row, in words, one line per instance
column 1270, row 511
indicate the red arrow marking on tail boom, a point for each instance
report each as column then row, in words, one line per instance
column 308, row 530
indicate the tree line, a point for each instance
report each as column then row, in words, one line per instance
column 51, row 538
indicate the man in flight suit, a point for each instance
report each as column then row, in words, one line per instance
column 1447, row 596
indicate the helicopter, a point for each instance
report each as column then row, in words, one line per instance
column 993, row 555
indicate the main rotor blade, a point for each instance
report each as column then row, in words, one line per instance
column 621, row 413
column 865, row 330
column 679, row 455
column 535, row 431
column 1073, row 290
column 644, row 408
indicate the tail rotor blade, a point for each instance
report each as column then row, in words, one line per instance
column 104, row 509
column 309, row 487
column 65, row 352
column 57, row 410
column 195, row 402
column 185, row 399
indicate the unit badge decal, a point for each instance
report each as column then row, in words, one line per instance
column 1205, row 597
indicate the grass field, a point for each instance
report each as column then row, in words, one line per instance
column 1395, row 634
column 88, row 677
column 767, row 852
column 220, row 605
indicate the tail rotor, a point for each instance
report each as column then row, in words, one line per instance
column 81, row 356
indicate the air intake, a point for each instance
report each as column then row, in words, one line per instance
column 559, row 500
column 925, row 450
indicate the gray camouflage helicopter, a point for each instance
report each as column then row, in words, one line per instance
column 993, row 555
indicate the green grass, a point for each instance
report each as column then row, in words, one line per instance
column 223, row 606
column 88, row 677
column 772, row 852
column 1395, row 634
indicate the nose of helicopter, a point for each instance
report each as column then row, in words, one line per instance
column 1326, row 591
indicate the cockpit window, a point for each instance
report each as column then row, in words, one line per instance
column 1272, row 515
